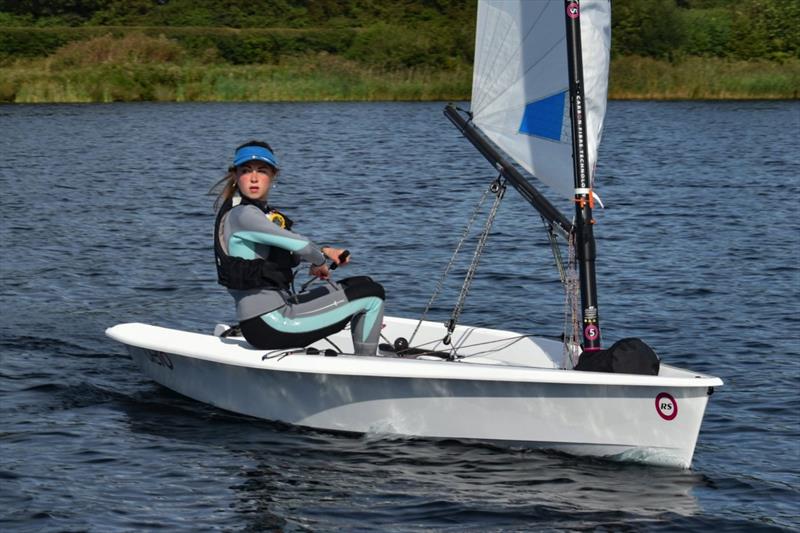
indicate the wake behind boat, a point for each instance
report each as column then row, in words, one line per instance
column 539, row 97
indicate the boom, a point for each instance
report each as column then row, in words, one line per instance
column 548, row 211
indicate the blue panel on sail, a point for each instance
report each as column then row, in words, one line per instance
column 543, row 118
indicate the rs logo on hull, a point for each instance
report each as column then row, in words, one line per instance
column 666, row 406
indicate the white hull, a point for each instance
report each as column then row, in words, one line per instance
column 516, row 395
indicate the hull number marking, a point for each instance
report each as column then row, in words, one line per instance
column 160, row 358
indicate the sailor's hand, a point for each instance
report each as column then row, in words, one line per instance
column 336, row 255
column 320, row 271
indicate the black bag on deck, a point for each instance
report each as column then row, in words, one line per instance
column 626, row 356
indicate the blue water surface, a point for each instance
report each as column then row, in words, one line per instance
column 105, row 218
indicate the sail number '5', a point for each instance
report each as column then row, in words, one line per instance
column 573, row 10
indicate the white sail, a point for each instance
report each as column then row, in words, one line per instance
column 520, row 86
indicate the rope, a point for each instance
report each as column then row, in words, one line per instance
column 511, row 340
column 498, row 187
column 556, row 251
column 572, row 330
column 440, row 283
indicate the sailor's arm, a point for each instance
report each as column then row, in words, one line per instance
column 252, row 225
column 337, row 255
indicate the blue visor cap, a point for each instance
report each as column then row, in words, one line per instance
column 254, row 153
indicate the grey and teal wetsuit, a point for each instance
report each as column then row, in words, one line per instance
column 271, row 317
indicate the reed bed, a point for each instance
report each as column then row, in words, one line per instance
column 697, row 78
column 139, row 67
column 227, row 83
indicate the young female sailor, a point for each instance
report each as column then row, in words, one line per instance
column 256, row 252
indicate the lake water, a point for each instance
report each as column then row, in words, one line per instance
column 105, row 219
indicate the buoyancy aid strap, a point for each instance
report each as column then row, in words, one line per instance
column 245, row 274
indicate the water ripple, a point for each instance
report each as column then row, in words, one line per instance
column 695, row 256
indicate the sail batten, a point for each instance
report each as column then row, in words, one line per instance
column 520, row 71
column 510, row 59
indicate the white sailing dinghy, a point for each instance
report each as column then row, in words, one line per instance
column 539, row 96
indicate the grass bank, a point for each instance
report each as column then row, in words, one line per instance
column 309, row 79
column 638, row 78
column 140, row 67
column 329, row 78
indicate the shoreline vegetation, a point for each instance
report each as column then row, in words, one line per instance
column 62, row 51
column 134, row 67
column 329, row 78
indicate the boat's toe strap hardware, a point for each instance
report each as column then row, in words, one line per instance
column 280, row 354
column 233, row 331
column 326, row 352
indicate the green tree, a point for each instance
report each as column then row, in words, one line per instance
column 67, row 10
column 766, row 29
column 707, row 32
column 647, row 28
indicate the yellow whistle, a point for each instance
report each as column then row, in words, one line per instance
column 277, row 218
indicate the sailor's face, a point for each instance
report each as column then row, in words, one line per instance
column 254, row 179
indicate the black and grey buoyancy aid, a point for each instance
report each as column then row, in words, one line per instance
column 274, row 272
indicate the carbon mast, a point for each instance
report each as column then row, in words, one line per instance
column 584, row 233
column 582, row 229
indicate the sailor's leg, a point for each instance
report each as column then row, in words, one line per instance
column 366, row 326
column 261, row 335
column 320, row 313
